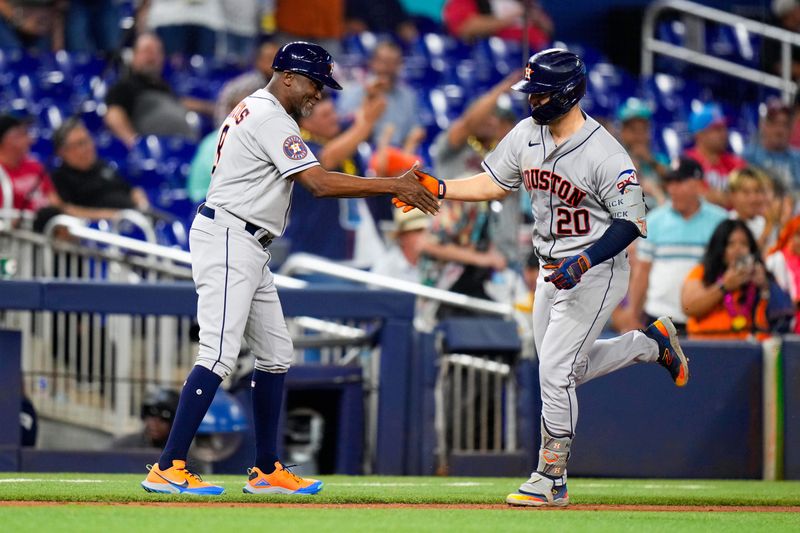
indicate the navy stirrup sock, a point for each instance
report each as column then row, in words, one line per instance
column 267, row 400
column 196, row 396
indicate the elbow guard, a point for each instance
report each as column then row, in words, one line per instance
column 630, row 204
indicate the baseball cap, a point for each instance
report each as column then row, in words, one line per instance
column 782, row 7
column 705, row 116
column 411, row 221
column 683, row 169
column 634, row 108
column 772, row 107
column 8, row 121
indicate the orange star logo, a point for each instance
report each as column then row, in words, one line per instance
column 528, row 72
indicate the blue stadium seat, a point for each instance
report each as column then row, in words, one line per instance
column 608, row 86
column 110, row 148
column 590, row 56
column 672, row 31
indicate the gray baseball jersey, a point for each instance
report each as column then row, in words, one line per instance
column 576, row 188
column 263, row 150
column 259, row 149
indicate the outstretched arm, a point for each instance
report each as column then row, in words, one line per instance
column 477, row 188
column 323, row 183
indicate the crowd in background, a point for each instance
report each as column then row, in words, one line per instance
column 723, row 252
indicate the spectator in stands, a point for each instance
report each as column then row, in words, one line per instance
column 635, row 134
column 401, row 260
column 242, row 24
column 709, row 127
column 247, row 82
column 158, row 413
column 783, row 262
column 726, row 295
column 327, row 226
column 387, row 16
column 142, row 103
column 30, row 183
column 184, row 28
column 748, row 196
column 787, row 16
column 320, row 21
column 470, row 20
column 402, row 108
column 459, row 151
column 89, row 187
column 427, row 11
column 35, row 25
column 772, row 150
column 93, row 26
column 678, row 233
column 388, row 160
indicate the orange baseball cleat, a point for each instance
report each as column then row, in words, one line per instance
column 280, row 481
column 178, row 480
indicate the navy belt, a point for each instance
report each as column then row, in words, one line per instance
column 265, row 240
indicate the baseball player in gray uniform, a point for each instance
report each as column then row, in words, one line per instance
column 260, row 155
column 588, row 207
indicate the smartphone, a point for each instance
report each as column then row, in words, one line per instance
column 745, row 262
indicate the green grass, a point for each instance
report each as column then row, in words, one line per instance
column 223, row 513
column 222, row 519
column 374, row 489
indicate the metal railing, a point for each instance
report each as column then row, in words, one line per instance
column 299, row 263
column 93, row 369
column 475, row 406
column 652, row 46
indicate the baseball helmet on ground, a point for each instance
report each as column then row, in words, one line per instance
column 161, row 403
column 309, row 59
column 556, row 72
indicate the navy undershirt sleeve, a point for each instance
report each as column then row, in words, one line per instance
column 615, row 239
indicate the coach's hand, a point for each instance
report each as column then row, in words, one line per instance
column 436, row 186
column 410, row 192
column 566, row 273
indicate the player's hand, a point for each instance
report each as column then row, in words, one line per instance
column 567, row 273
column 434, row 185
column 411, row 192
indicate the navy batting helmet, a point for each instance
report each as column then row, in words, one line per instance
column 560, row 74
column 308, row 59
column 161, row 403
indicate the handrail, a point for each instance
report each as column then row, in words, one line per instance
column 299, row 262
column 137, row 219
column 652, row 46
column 77, row 228
column 7, row 189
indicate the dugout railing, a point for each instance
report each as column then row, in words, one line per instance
column 93, row 369
column 693, row 49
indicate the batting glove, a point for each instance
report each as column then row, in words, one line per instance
column 437, row 187
column 567, row 272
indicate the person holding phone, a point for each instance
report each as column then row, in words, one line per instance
column 726, row 295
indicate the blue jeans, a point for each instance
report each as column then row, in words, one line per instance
column 188, row 40
column 92, row 26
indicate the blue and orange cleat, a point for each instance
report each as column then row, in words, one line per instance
column 670, row 354
column 280, row 481
column 178, row 480
column 539, row 491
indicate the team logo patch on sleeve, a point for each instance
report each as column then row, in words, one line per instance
column 627, row 178
column 295, row 148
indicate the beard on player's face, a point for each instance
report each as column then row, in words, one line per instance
column 309, row 92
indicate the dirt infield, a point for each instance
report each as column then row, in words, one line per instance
column 499, row 506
